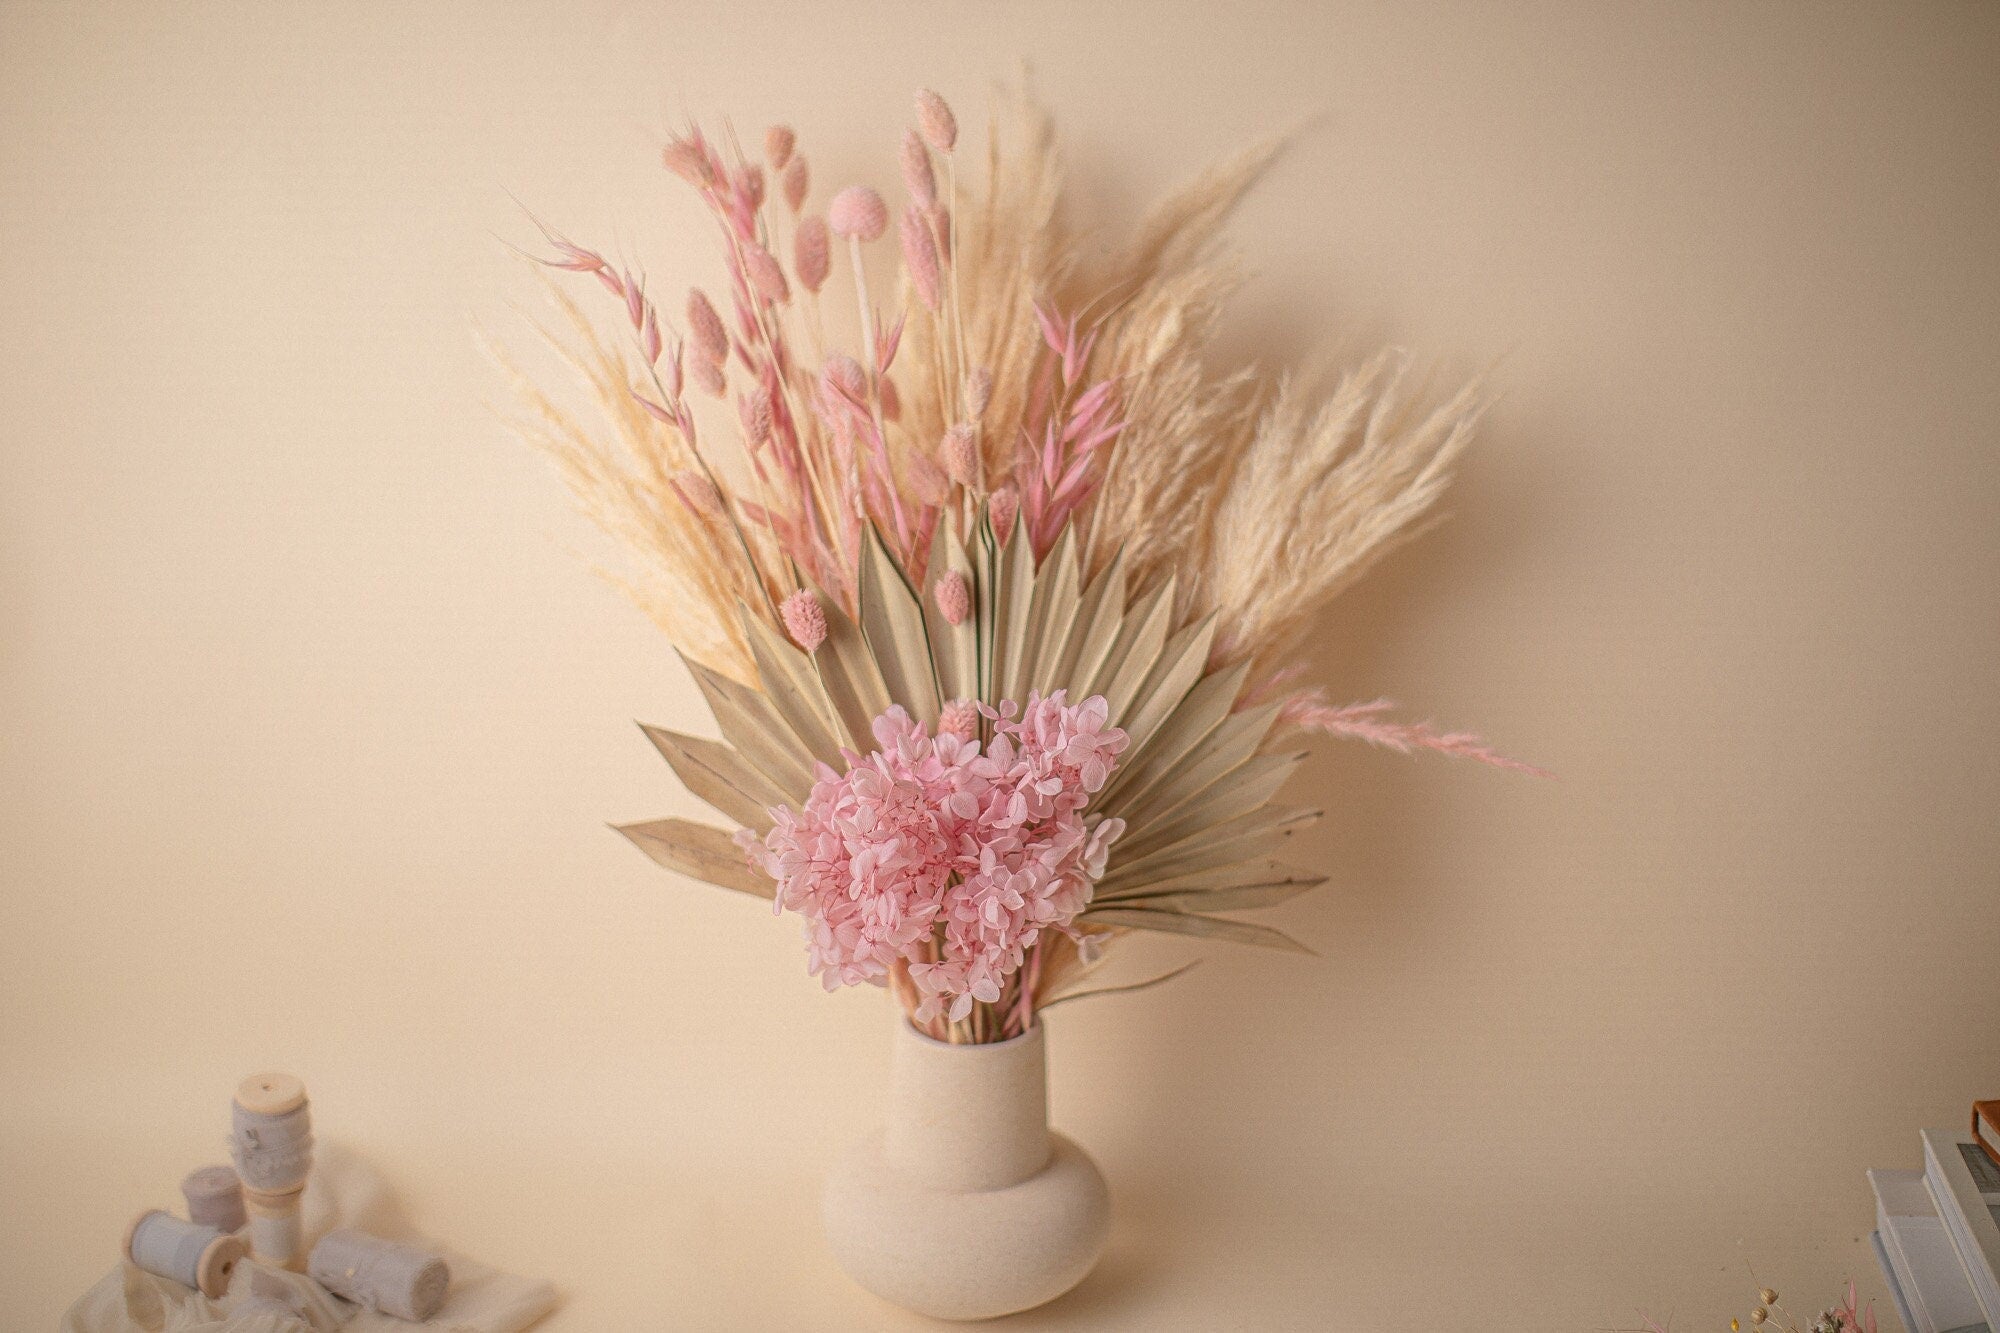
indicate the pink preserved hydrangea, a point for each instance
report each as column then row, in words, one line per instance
column 946, row 854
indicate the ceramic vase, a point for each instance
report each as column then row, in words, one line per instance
column 965, row 1205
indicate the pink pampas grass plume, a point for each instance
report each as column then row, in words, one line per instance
column 705, row 328
column 1003, row 507
column 812, row 253
column 953, row 597
column 778, row 144
column 934, row 118
column 920, row 257
column 765, row 275
column 858, row 212
column 698, row 493
column 1365, row 722
column 797, row 178
column 805, row 620
column 917, row 176
column 960, row 454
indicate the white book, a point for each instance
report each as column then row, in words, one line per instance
column 1895, row 1284
column 1965, row 1184
column 1934, row 1295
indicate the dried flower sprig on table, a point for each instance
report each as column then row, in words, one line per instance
column 997, row 613
column 1768, row 1316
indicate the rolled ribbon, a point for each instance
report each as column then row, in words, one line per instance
column 214, row 1197
column 401, row 1280
column 271, row 1133
column 185, row 1252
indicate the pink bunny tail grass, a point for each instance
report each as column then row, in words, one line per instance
column 708, row 377
column 960, row 455
column 859, row 212
column 1365, row 722
column 934, row 118
column 798, row 179
column 705, row 328
column 765, row 275
column 812, row 253
column 920, row 257
column 778, row 144
column 953, row 597
column 755, row 413
column 978, row 391
column 918, row 178
column 805, row 620
column 1003, row 507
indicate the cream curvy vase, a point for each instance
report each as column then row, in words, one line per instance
column 965, row 1205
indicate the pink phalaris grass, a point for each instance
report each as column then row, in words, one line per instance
column 1003, row 507
column 959, row 453
column 928, row 481
column 750, row 184
column 959, row 718
column 698, row 493
column 858, row 212
column 812, row 256
column 797, row 180
column 978, row 391
column 765, row 275
column 705, row 330
column 691, row 157
column 954, row 598
column 918, row 178
column 934, row 118
column 1309, row 710
column 920, row 257
column 778, row 144
column 754, row 411
column 805, row 619
column 946, row 856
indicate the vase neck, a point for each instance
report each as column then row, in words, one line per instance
column 972, row 1117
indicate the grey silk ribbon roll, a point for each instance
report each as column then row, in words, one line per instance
column 214, row 1197
column 273, row 1153
column 401, row 1280
column 184, row 1252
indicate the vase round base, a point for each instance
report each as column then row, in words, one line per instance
column 966, row 1254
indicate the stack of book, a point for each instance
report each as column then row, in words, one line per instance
column 1937, row 1231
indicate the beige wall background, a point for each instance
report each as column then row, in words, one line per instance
column 314, row 715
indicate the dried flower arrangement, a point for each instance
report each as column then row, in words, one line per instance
column 1850, row 1316
column 997, row 616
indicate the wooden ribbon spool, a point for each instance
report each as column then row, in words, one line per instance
column 271, row 1144
column 185, row 1252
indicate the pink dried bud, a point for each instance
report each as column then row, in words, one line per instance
column 778, row 144
column 805, row 620
column 954, row 598
column 765, row 275
column 934, row 118
column 917, row 176
column 892, row 402
column 811, row 253
column 711, row 339
column 920, row 258
column 959, row 718
column 708, row 377
column 960, row 452
column 796, row 180
column 751, row 182
column 978, row 391
column 859, row 212
column 698, row 493
column 755, row 411
column 843, row 376
column 688, row 159
column 1003, row 506
column 927, row 480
